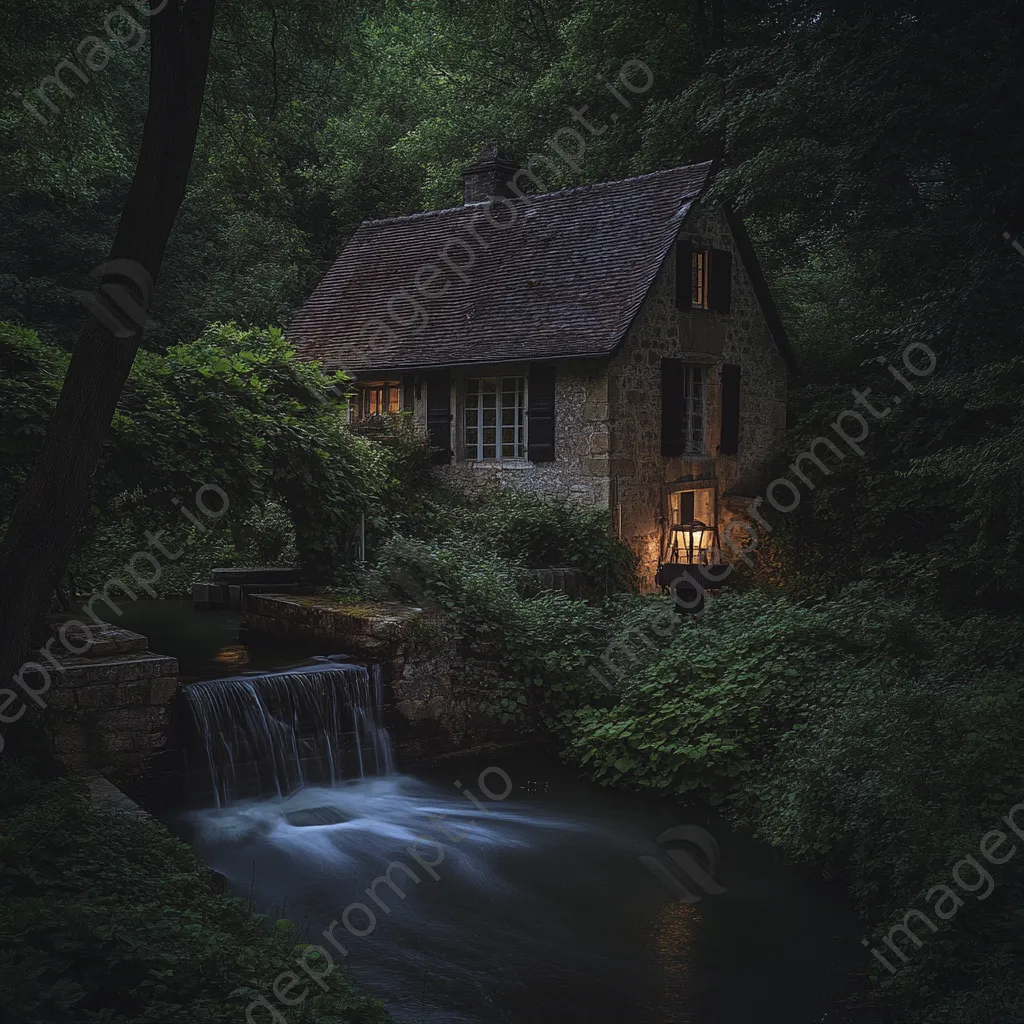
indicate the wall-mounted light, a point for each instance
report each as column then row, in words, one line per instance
column 693, row 543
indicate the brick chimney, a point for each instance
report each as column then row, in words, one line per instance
column 490, row 177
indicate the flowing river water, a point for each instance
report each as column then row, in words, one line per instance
column 517, row 893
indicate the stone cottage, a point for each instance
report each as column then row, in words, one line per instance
column 614, row 344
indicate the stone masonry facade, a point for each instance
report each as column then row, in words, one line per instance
column 114, row 708
column 582, row 438
column 608, row 411
column 637, row 470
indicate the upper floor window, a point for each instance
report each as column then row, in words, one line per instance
column 701, row 260
column 703, row 278
column 495, row 418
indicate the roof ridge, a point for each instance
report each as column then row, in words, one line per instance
column 419, row 214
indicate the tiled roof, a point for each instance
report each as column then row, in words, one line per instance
column 564, row 277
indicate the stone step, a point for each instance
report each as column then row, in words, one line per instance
column 258, row 576
column 107, row 640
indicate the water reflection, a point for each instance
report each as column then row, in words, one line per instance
column 539, row 913
column 237, row 654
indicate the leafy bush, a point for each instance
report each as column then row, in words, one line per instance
column 904, row 760
column 532, row 651
column 704, row 700
column 866, row 735
column 105, row 917
column 233, row 408
column 551, row 533
column 31, row 374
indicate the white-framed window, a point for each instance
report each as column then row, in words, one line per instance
column 695, row 409
column 495, row 420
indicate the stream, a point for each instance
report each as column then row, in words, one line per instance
column 517, row 892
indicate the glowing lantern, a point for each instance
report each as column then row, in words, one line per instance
column 693, row 543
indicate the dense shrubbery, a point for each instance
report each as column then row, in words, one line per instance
column 863, row 734
column 702, row 704
column 105, row 917
column 31, row 374
column 474, row 562
column 544, row 533
column 234, row 409
column 532, row 649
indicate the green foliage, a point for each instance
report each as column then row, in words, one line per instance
column 232, row 410
column 105, row 917
column 864, row 734
column 904, row 761
column 700, row 710
column 546, row 533
column 31, row 374
column 526, row 651
column 527, row 654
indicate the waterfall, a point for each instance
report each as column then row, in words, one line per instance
column 271, row 734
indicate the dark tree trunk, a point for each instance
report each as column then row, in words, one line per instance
column 50, row 509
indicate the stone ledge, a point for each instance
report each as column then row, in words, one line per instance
column 81, row 671
column 103, row 793
column 110, row 696
column 259, row 575
column 106, row 640
column 364, row 629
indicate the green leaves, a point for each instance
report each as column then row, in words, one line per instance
column 126, row 927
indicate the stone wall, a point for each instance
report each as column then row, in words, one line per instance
column 638, row 471
column 114, row 708
column 608, row 412
column 431, row 708
column 580, row 467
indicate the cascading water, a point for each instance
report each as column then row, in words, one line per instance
column 271, row 734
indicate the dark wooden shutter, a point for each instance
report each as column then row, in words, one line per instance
column 684, row 275
column 439, row 415
column 408, row 392
column 541, row 425
column 720, row 281
column 672, row 406
column 730, row 440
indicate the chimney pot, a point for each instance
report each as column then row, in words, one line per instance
column 490, row 177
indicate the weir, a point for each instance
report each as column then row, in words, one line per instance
column 268, row 735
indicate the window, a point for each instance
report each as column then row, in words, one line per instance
column 683, row 408
column 703, row 278
column 495, row 421
column 691, row 537
column 699, row 279
column 687, row 506
column 694, row 409
column 379, row 397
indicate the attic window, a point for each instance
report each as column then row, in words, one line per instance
column 699, row 279
column 703, row 278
